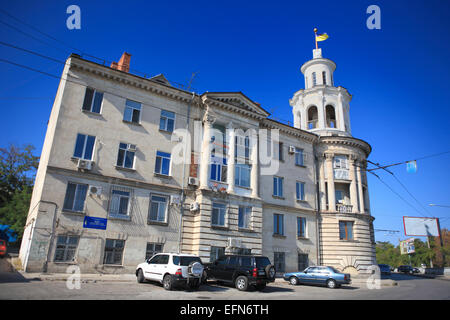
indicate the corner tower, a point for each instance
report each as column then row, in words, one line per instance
column 346, row 234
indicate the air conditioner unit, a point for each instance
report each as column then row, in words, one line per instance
column 95, row 190
column 193, row 181
column 84, row 164
column 291, row 149
column 194, row 206
column 234, row 243
column 175, row 199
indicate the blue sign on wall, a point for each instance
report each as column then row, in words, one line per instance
column 95, row 223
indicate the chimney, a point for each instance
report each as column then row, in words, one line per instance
column 123, row 64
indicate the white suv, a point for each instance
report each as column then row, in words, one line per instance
column 172, row 269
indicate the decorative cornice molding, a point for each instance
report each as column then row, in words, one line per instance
column 348, row 141
column 296, row 132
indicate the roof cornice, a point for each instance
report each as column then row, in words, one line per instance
column 348, row 141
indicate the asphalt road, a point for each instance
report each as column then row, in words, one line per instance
column 14, row 286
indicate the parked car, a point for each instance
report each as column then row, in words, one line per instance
column 415, row 270
column 320, row 275
column 172, row 270
column 242, row 270
column 405, row 269
column 385, row 269
column 2, row 248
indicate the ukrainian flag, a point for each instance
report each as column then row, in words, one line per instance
column 321, row 37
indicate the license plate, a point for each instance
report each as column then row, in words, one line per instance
column 261, row 273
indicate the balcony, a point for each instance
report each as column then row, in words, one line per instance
column 344, row 208
column 341, row 174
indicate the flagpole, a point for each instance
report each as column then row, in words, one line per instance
column 315, row 37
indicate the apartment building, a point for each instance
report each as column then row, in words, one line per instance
column 132, row 166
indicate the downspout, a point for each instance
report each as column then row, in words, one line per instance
column 317, row 182
column 180, row 235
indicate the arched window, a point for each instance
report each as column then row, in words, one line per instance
column 314, row 78
column 313, row 117
column 330, row 116
column 324, row 77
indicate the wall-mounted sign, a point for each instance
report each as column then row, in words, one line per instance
column 95, row 223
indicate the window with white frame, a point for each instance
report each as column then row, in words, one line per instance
column 125, row 157
column 300, row 190
column 167, row 121
column 132, row 111
column 218, row 214
column 299, row 157
column 244, row 218
column 84, row 147
column 120, row 205
column 242, row 175
column 216, row 253
column 162, row 163
column 92, row 100
column 218, row 169
column 278, row 186
column 158, row 208
column 75, row 197
column 242, row 147
column 66, row 246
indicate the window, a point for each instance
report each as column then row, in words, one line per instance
column 346, row 230
column 66, row 247
column 280, row 151
column 340, row 162
column 132, row 111
column 120, row 202
column 216, row 253
column 84, row 147
column 152, row 249
column 278, row 186
column 162, row 164
column 278, row 224
column 218, row 170
column 75, row 197
column 302, row 261
column 301, row 227
column 245, row 214
column 242, row 147
column 314, row 78
column 246, row 261
column 158, row 208
column 167, row 121
column 339, row 194
column 279, row 261
column 324, row 77
column 299, row 157
column 125, row 158
column 300, row 190
column 113, row 251
column 218, row 214
column 234, row 261
column 92, row 100
column 244, row 251
column 242, row 175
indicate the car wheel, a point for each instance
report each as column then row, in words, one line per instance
column 167, row 282
column 270, row 272
column 331, row 284
column 140, row 276
column 293, row 281
column 241, row 283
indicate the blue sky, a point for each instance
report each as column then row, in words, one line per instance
column 398, row 76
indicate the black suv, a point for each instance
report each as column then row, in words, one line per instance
column 242, row 271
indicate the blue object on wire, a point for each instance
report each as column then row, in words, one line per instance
column 411, row 166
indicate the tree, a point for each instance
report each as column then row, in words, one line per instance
column 18, row 167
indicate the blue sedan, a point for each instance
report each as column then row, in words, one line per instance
column 318, row 275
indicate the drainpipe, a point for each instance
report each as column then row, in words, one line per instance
column 317, row 182
column 180, row 235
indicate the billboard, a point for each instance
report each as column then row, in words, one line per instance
column 421, row 226
column 407, row 246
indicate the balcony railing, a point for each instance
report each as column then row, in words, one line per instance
column 312, row 124
column 343, row 208
column 341, row 174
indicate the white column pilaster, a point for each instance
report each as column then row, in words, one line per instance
column 359, row 164
column 330, row 182
column 231, row 157
column 206, row 151
column 353, row 191
column 254, row 173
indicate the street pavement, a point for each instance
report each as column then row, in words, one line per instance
column 23, row 286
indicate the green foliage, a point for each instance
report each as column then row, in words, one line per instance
column 18, row 166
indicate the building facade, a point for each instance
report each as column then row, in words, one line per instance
column 132, row 166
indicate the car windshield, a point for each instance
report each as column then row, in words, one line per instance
column 262, row 262
column 185, row 261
